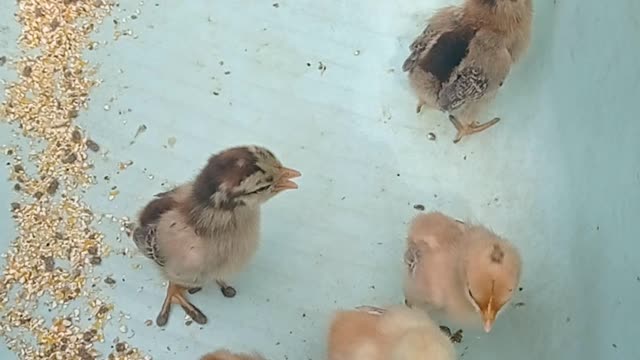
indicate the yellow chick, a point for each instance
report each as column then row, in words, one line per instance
column 458, row 269
column 224, row 354
column 458, row 63
column 397, row 333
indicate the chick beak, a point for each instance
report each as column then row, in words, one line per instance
column 489, row 315
column 284, row 181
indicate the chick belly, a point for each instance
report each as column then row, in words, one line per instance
column 226, row 260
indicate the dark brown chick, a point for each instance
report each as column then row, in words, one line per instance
column 464, row 55
column 208, row 229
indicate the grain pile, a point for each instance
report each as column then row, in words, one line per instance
column 47, row 308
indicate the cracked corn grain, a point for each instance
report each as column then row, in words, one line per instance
column 53, row 86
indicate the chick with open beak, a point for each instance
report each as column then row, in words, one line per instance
column 208, row 229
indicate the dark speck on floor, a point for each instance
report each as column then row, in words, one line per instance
column 614, row 346
column 276, row 5
column 519, row 304
column 520, row 289
column 418, row 207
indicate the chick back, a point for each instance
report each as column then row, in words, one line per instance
column 447, row 53
column 353, row 335
column 399, row 333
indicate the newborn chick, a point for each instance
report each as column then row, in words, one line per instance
column 458, row 269
column 398, row 333
column 461, row 59
column 226, row 355
column 208, row 229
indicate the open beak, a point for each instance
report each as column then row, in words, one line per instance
column 285, row 182
column 489, row 315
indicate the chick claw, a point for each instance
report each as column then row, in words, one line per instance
column 175, row 295
column 227, row 291
column 465, row 130
column 194, row 290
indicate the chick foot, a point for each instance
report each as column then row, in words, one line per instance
column 227, row 291
column 419, row 106
column 465, row 130
column 194, row 290
column 175, row 295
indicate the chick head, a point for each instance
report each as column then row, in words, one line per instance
column 492, row 269
column 245, row 175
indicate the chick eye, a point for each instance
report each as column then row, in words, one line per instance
column 260, row 189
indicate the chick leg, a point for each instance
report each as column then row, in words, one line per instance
column 419, row 106
column 227, row 291
column 464, row 130
column 175, row 295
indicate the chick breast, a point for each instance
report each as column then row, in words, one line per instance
column 188, row 258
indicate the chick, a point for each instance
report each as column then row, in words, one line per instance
column 464, row 55
column 458, row 269
column 398, row 333
column 227, row 355
column 208, row 229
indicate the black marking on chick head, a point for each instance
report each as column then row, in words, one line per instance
column 223, row 172
column 497, row 254
column 447, row 53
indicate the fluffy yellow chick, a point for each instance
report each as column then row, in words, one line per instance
column 399, row 333
column 464, row 271
column 208, row 229
column 464, row 55
column 227, row 355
